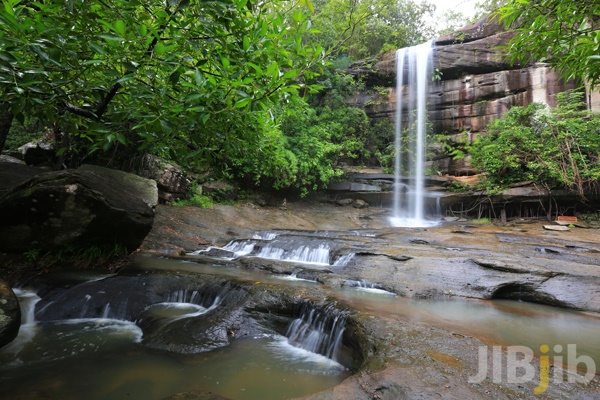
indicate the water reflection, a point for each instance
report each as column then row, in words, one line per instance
column 497, row 322
column 74, row 360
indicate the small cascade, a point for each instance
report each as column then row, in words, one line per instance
column 414, row 71
column 344, row 259
column 289, row 247
column 206, row 300
column 366, row 286
column 304, row 254
column 295, row 276
column 240, row 248
column 28, row 329
column 265, row 235
column 317, row 330
column 86, row 306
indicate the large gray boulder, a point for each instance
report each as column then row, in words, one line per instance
column 88, row 206
column 10, row 314
column 38, row 152
column 13, row 174
column 172, row 181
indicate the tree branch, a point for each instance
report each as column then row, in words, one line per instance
column 81, row 111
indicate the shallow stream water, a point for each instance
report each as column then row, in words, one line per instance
column 102, row 358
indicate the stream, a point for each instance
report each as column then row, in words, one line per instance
column 96, row 349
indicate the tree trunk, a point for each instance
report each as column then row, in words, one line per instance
column 6, row 119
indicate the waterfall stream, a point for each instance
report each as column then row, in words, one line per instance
column 318, row 331
column 413, row 71
column 304, row 248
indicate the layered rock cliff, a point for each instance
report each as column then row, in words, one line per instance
column 474, row 83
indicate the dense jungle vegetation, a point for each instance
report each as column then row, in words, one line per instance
column 250, row 91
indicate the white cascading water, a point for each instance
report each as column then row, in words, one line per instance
column 318, row 331
column 414, row 71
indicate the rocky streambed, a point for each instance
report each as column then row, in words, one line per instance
column 433, row 298
column 455, row 261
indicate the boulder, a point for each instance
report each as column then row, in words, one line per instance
column 220, row 191
column 556, row 228
column 38, row 152
column 6, row 158
column 344, row 202
column 10, row 314
column 358, row 203
column 90, row 205
column 172, row 181
column 13, row 174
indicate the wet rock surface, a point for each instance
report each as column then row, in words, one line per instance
column 87, row 206
column 393, row 355
column 10, row 314
column 178, row 311
column 453, row 259
column 404, row 359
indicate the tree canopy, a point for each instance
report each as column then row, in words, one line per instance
column 188, row 79
column 564, row 33
column 219, row 84
column 364, row 28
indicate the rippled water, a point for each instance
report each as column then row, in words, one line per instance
column 102, row 359
column 497, row 322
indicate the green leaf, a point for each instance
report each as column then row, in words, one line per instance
column 273, row 70
column 193, row 97
column 198, row 78
column 109, row 37
column 211, row 79
column 290, row 74
column 120, row 27
column 225, row 61
column 6, row 56
column 259, row 71
column 243, row 102
column 96, row 47
column 121, row 138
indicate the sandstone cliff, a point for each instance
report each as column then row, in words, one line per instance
column 474, row 84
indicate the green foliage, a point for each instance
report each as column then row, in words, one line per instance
column 487, row 7
column 459, row 187
column 314, row 139
column 22, row 133
column 32, row 254
column 456, row 147
column 564, row 33
column 590, row 217
column 452, row 21
column 364, row 28
column 557, row 147
column 195, row 200
column 189, row 80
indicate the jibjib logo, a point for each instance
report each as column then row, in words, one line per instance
column 519, row 368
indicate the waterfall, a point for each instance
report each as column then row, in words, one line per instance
column 28, row 329
column 318, row 330
column 414, row 71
